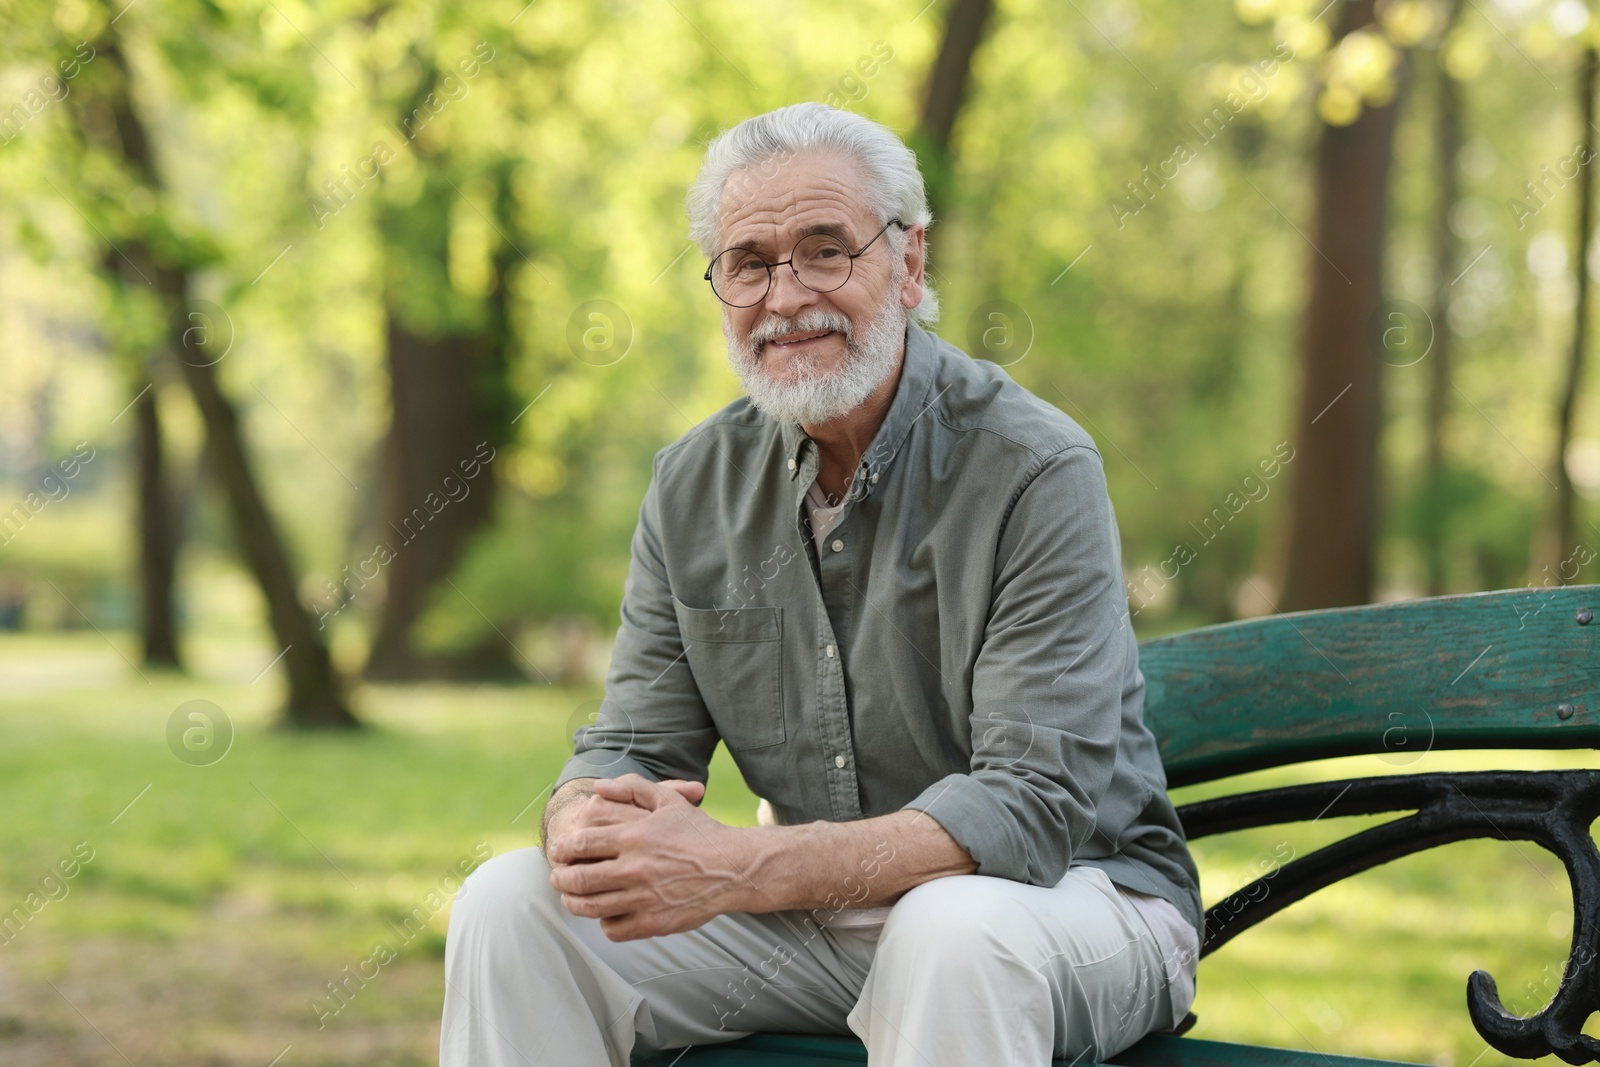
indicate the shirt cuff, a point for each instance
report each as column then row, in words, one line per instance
column 980, row 823
column 600, row 763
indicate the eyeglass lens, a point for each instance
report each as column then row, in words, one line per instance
column 740, row 277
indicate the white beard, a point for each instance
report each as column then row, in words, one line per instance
column 817, row 398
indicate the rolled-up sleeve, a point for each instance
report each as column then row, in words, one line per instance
column 652, row 721
column 1047, row 683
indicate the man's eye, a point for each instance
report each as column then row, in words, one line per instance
column 750, row 265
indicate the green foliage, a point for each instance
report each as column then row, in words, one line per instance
column 559, row 163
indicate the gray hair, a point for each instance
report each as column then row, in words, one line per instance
column 756, row 149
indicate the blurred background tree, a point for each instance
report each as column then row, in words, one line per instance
column 339, row 257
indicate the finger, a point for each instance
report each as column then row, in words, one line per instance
column 601, row 905
column 584, row 843
column 637, row 790
column 623, row 928
column 633, row 926
column 599, row 811
column 588, row 879
column 693, row 792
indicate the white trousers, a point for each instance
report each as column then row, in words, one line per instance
column 968, row 969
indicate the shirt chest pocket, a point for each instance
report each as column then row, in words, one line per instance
column 736, row 655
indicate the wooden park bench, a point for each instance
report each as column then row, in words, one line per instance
column 1508, row 670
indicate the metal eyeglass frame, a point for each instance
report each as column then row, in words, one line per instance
column 790, row 264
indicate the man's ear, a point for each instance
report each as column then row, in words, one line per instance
column 914, row 259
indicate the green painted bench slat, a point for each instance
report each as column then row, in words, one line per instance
column 1484, row 670
column 764, row 1050
column 1158, row 1050
column 1164, row 1050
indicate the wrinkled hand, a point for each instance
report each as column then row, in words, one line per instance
column 599, row 810
column 663, row 868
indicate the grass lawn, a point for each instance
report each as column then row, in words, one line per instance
column 221, row 900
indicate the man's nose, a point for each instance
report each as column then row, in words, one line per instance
column 787, row 296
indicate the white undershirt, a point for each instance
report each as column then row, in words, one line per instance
column 1175, row 937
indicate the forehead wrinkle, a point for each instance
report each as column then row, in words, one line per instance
column 786, row 213
column 790, row 231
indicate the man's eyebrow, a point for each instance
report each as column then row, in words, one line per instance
column 832, row 229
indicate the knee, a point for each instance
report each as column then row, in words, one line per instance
column 966, row 905
column 509, row 885
column 960, row 921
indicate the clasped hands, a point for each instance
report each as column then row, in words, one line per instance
column 640, row 857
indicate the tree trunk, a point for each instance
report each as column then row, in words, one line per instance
column 945, row 94
column 315, row 697
column 157, row 522
column 1447, row 139
column 435, row 426
column 159, row 536
column 450, row 399
column 1334, row 505
column 1566, row 503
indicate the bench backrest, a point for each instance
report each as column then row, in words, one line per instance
column 1510, row 669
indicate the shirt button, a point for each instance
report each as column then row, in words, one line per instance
column 830, row 651
column 837, row 546
column 791, row 463
column 874, row 478
column 838, row 761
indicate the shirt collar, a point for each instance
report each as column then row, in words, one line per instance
column 910, row 401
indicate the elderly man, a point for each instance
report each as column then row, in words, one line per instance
column 889, row 581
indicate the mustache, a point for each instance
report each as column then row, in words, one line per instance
column 770, row 329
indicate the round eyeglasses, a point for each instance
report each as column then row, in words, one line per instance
column 821, row 262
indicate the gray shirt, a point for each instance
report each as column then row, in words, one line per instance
column 961, row 646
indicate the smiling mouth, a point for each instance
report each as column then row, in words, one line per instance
column 800, row 339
